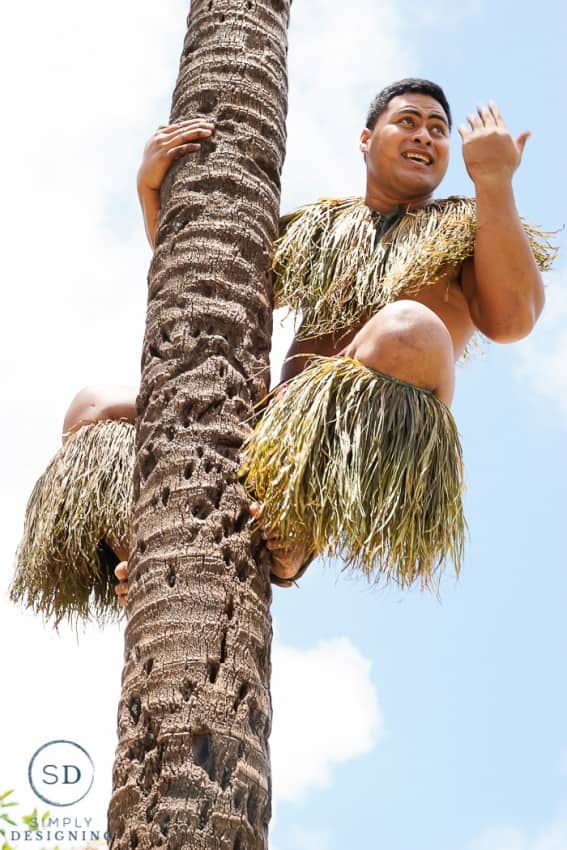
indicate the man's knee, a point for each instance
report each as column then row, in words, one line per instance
column 97, row 402
column 408, row 341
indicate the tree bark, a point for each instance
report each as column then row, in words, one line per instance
column 192, row 762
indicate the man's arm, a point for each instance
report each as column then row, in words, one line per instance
column 150, row 202
column 299, row 352
column 166, row 145
column 503, row 285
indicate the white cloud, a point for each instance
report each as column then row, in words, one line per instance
column 552, row 838
column 325, row 713
column 337, row 63
column 325, row 709
column 542, row 357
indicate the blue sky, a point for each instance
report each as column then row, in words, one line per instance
column 401, row 722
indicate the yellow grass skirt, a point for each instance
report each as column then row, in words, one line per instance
column 359, row 465
column 79, row 507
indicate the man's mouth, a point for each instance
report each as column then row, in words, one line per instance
column 418, row 156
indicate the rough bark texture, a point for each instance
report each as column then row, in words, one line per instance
column 192, row 763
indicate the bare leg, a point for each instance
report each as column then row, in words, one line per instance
column 408, row 341
column 93, row 403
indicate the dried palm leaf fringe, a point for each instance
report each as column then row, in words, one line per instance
column 79, row 507
column 339, row 261
column 360, row 465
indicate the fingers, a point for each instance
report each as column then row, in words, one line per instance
column 475, row 121
column 167, row 144
column 175, row 153
column 121, row 589
column 191, row 124
column 497, row 114
column 486, row 116
column 185, row 139
column 522, row 139
column 188, row 133
column 121, row 570
column 182, row 142
column 287, row 556
column 286, row 548
column 172, row 141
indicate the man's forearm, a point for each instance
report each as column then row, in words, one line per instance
column 509, row 287
column 151, row 205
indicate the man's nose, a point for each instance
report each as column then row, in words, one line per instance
column 422, row 135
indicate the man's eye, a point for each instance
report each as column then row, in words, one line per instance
column 407, row 119
column 439, row 129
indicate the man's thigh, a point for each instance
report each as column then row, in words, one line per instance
column 408, row 341
column 101, row 401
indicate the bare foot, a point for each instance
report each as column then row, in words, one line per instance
column 121, row 589
column 287, row 559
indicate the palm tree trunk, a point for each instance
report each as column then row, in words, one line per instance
column 192, row 762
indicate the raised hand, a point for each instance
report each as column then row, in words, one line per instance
column 167, row 144
column 489, row 150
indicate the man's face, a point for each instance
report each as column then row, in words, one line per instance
column 407, row 151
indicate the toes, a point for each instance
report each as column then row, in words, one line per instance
column 121, row 570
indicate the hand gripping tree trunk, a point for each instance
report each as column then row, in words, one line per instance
column 192, row 763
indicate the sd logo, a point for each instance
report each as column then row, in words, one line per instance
column 61, row 773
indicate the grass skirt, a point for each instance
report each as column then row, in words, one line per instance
column 360, row 465
column 79, row 507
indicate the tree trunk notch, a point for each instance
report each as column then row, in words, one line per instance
column 192, row 762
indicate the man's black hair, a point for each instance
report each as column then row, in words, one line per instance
column 383, row 98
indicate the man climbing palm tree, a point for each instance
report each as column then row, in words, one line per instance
column 357, row 453
column 493, row 285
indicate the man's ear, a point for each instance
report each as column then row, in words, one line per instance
column 364, row 140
